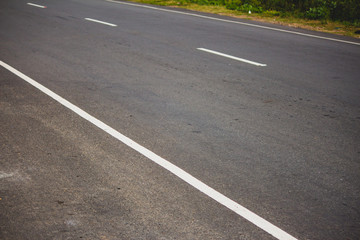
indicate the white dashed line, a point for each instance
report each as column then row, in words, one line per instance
column 36, row 5
column 212, row 193
column 97, row 21
column 232, row 57
column 5, row 175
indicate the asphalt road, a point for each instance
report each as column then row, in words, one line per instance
column 282, row 140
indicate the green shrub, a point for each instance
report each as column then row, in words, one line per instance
column 208, row 2
column 272, row 13
column 245, row 6
column 316, row 13
column 233, row 4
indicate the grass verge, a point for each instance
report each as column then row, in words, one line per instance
column 339, row 28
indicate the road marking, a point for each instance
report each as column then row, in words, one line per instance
column 97, row 21
column 212, row 193
column 36, row 5
column 5, row 175
column 236, row 22
column 232, row 57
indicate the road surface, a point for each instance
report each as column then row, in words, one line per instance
column 265, row 116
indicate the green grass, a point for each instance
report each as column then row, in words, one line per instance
column 286, row 19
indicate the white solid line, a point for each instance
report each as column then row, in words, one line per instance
column 35, row 5
column 217, row 196
column 232, row 57
column 97, row 21
column 236, row 22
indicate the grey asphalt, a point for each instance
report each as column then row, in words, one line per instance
column 281, row 140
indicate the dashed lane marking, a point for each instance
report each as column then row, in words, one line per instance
column 36, row 5
column 232, row 57
column 98, row 21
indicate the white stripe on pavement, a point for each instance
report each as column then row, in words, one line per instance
column 212, row 193
column 36, row 5
column 98, row 21
column 232, row 57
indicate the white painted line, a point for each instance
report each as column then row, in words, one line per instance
column 217, row 196
column 232, row 57
column 5, row 175
column 36, row 5
column 97, row 21
column 236, row 22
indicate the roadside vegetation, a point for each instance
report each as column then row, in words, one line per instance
column 334, row 16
